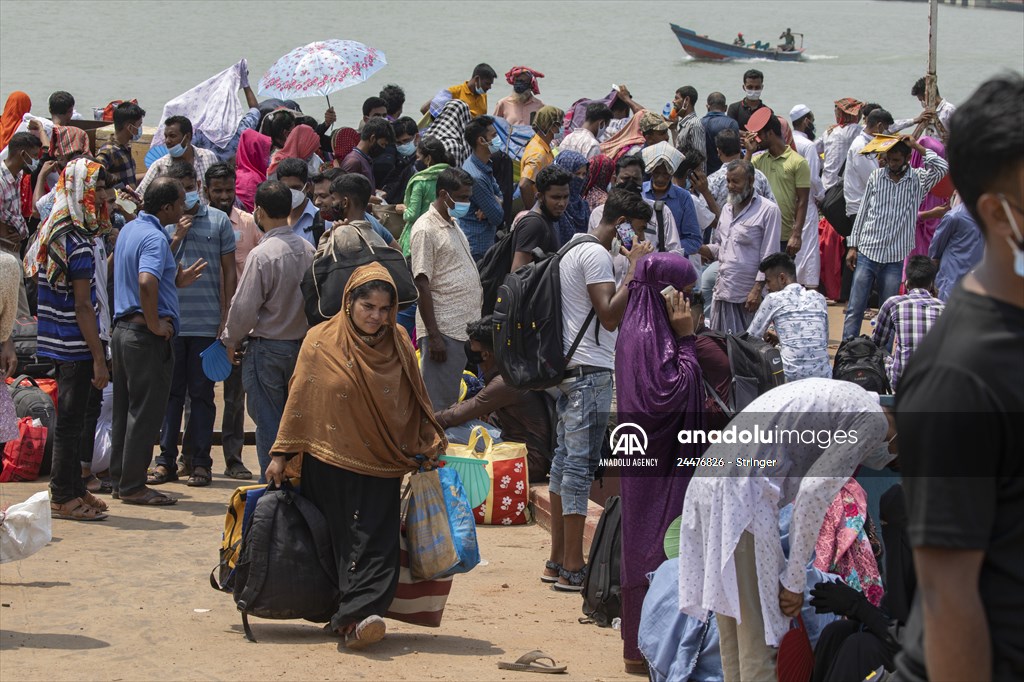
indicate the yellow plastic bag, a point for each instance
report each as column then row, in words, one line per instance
column 507, row 466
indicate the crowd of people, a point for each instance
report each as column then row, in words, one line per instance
column 685, row 230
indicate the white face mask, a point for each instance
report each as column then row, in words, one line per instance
column 297, row 198
column 1018, row 250
column 752, row 94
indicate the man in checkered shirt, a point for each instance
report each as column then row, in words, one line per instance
column 906, row 319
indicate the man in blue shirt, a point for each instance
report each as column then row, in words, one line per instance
column 715, row 122
column 485, row 205
column 661, row 161
column 146, row 317
column 957, row 246
column 203, row 234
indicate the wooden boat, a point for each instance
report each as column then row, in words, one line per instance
column 702, row 47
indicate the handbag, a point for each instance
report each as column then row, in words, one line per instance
column 795, row 661
column 24, row 456
column 439, row 526
column 419, row 602
column 349, row 247
column 508, row 496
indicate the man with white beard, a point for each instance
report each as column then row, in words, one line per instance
column 748, row 231
column 808, row 260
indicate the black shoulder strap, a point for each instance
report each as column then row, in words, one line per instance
column 321, row 533
column 717, row 398
column 576, row 241
column 259, row 556
column 579, row 335
column 659, row 212
column 319, row 227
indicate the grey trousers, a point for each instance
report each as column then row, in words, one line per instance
column 143, row 363
column 443, row 379
column 729, row 318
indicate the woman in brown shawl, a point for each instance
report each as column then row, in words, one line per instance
column 357, row 418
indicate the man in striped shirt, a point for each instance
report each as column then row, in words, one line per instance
column 883, row 233
column 203, row 235
column 906, row 319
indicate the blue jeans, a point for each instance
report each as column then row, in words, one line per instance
column 864, row 277
column 188, row 377
column 583, row 406
column 266, row 370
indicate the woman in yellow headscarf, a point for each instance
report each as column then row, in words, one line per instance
column 357, row 420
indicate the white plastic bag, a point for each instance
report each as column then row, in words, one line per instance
column 102, row 445
column 25, row 527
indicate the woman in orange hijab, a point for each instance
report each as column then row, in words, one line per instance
column 18, row 104
column 357, row 420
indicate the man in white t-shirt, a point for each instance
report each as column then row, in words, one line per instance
column 592, row 309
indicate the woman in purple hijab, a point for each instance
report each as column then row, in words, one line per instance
column 658, row 388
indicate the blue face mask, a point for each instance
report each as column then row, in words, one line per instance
column 407, row 148
column 459, row 210
column 191, row 199
column 479, row 90
column 176, row 151
column 496, row 145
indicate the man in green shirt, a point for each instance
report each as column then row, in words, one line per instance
column 788, row 174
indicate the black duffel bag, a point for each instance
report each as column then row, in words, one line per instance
column 286, row 569
column 350, row 246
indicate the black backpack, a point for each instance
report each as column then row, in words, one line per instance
column 833, row 207
column 756, row 368
column 528, row 322
column 859, row 360
column 348, row 248
column 601, row 587
column 26, row 346
column 493, row 267
column 287, row 567
column 32, row 401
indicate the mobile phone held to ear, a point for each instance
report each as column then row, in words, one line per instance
column 669, row 290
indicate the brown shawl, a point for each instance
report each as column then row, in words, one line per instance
column 359, row 407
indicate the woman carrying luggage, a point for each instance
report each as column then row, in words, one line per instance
column 359, row 412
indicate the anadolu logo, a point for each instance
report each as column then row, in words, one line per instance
column 628, row 439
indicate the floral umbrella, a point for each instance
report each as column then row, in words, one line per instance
column 321, row 68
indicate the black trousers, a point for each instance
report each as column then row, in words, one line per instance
column 848, row 653
column 78, row 409
column 363, row 514
column 142, row 384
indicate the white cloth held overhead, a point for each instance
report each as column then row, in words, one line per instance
column 212, row 106
column 662, row 152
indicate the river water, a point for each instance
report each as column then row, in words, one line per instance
column 869, row 49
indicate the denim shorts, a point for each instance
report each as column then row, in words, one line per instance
column 584, row 404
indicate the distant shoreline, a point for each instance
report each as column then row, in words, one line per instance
column 1008, row 5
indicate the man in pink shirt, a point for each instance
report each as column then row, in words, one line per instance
column 748, row 231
